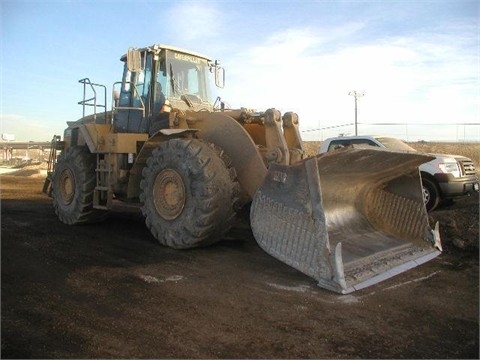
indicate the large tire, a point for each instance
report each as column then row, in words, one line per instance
column 431, row 194
column 188, row 194
column 73, row 185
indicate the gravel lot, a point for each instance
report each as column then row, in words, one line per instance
column 110, row 291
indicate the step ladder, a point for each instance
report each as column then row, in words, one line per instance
column 56, row 145
column 103, row 194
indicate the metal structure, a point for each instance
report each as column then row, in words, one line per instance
column 10, row 148
column 168, row 145
column 356, row 95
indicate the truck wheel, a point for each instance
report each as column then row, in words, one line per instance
column 73, row 185
column 431, row 195
column 188, row 194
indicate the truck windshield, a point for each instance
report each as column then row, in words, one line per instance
column 395, row 144
column 188, row 78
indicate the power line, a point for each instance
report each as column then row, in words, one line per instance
column 420, row 124
column 396, row 124
column 328, row 127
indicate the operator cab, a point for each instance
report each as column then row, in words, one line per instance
column 159, row 78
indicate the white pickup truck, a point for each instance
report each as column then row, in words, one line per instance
column 445, row 177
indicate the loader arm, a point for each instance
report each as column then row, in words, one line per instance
column 252, row 141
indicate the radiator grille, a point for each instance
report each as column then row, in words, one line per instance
column 468, row 168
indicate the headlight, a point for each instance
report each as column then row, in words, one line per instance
column 450, row 168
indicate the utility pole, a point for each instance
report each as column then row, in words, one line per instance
column 356, row 95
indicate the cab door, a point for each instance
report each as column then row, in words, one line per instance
column 133, row 103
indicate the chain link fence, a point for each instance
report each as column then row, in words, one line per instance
column 460, row 132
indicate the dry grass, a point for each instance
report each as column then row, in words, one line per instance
column 470, row 150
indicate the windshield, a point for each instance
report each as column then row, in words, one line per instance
column 395, row 144
column 187, row 78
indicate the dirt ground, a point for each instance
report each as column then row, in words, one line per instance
column 110, row 291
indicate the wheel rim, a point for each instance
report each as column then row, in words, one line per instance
column 169, row 194
column 67, row 186
column 426, row 195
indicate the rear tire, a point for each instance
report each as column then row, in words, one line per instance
column 431, row 194
column 188, row 194
column 72, row 187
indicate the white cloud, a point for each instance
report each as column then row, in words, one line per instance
column 422, row 78
column 287, row 46
column 416, row 62
column 192, row 21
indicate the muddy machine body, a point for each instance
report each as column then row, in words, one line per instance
column 348, row 219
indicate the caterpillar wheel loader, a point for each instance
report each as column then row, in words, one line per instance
column 348, row 219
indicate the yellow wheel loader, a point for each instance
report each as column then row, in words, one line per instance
column 349, row 218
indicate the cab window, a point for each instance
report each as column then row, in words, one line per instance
column 135, row 87
column 338, row 144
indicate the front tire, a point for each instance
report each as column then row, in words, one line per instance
column 188, row 194
column 431, row 194
column 73, row 185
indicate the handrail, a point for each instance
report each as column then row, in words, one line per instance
column 87, row 102
column 142, row 108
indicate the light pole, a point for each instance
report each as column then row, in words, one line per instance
column 356, row 95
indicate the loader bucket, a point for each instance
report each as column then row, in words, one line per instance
column 349, row 219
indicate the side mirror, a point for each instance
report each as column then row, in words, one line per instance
column 219, row 75
column 134, row 60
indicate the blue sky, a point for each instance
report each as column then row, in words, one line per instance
column 417, row 61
